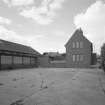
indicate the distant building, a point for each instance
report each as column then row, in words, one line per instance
column 52, row 54
column 13, row 55
column 55, row 56
column 78, row 50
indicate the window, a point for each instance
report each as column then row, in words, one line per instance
column 6, row 59
column 77, row 44
column 74, row 56
column 17, row 60
column 81, row 44
column 26, row 60
column 78, row 58
column 33, row 60
column 73, row 44
column 81, row 57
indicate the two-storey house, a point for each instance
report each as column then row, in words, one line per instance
column 78, row 50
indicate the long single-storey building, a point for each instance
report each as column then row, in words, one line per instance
column 13, row 55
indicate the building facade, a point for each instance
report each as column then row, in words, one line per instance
column 13, row 55
column 78, row 51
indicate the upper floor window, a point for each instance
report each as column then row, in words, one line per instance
column 77, row 44
column 73, row 44
column 81, row 44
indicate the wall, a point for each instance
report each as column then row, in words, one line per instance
column 85, row 51
column 44, row 61
column 58, row 64
column 13, row 62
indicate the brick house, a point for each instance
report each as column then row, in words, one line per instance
column 14, row 55
column 78, row 50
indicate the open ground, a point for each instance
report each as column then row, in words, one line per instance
column 52, row 86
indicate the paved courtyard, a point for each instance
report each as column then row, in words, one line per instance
column 52, row 86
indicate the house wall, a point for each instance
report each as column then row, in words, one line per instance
column 86, row 51
column 85, row 63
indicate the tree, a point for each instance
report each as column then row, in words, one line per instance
column 103, row 57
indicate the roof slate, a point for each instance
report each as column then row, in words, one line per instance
column 11, row 46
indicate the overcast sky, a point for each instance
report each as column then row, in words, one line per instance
column 46, row 25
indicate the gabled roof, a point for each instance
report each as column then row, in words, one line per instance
column 78, row 32
column 15, row 47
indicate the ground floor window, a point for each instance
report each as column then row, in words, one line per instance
column 81, row 57
column 77, row 57
column 26, row 60
column 6, row 59
column 33, row 60
column 17, row 60
column 74, row 58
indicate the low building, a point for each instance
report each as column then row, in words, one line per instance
column 79, row 50
column 55, row 56
column 13, row 55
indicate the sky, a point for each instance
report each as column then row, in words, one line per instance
column 47, row 25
